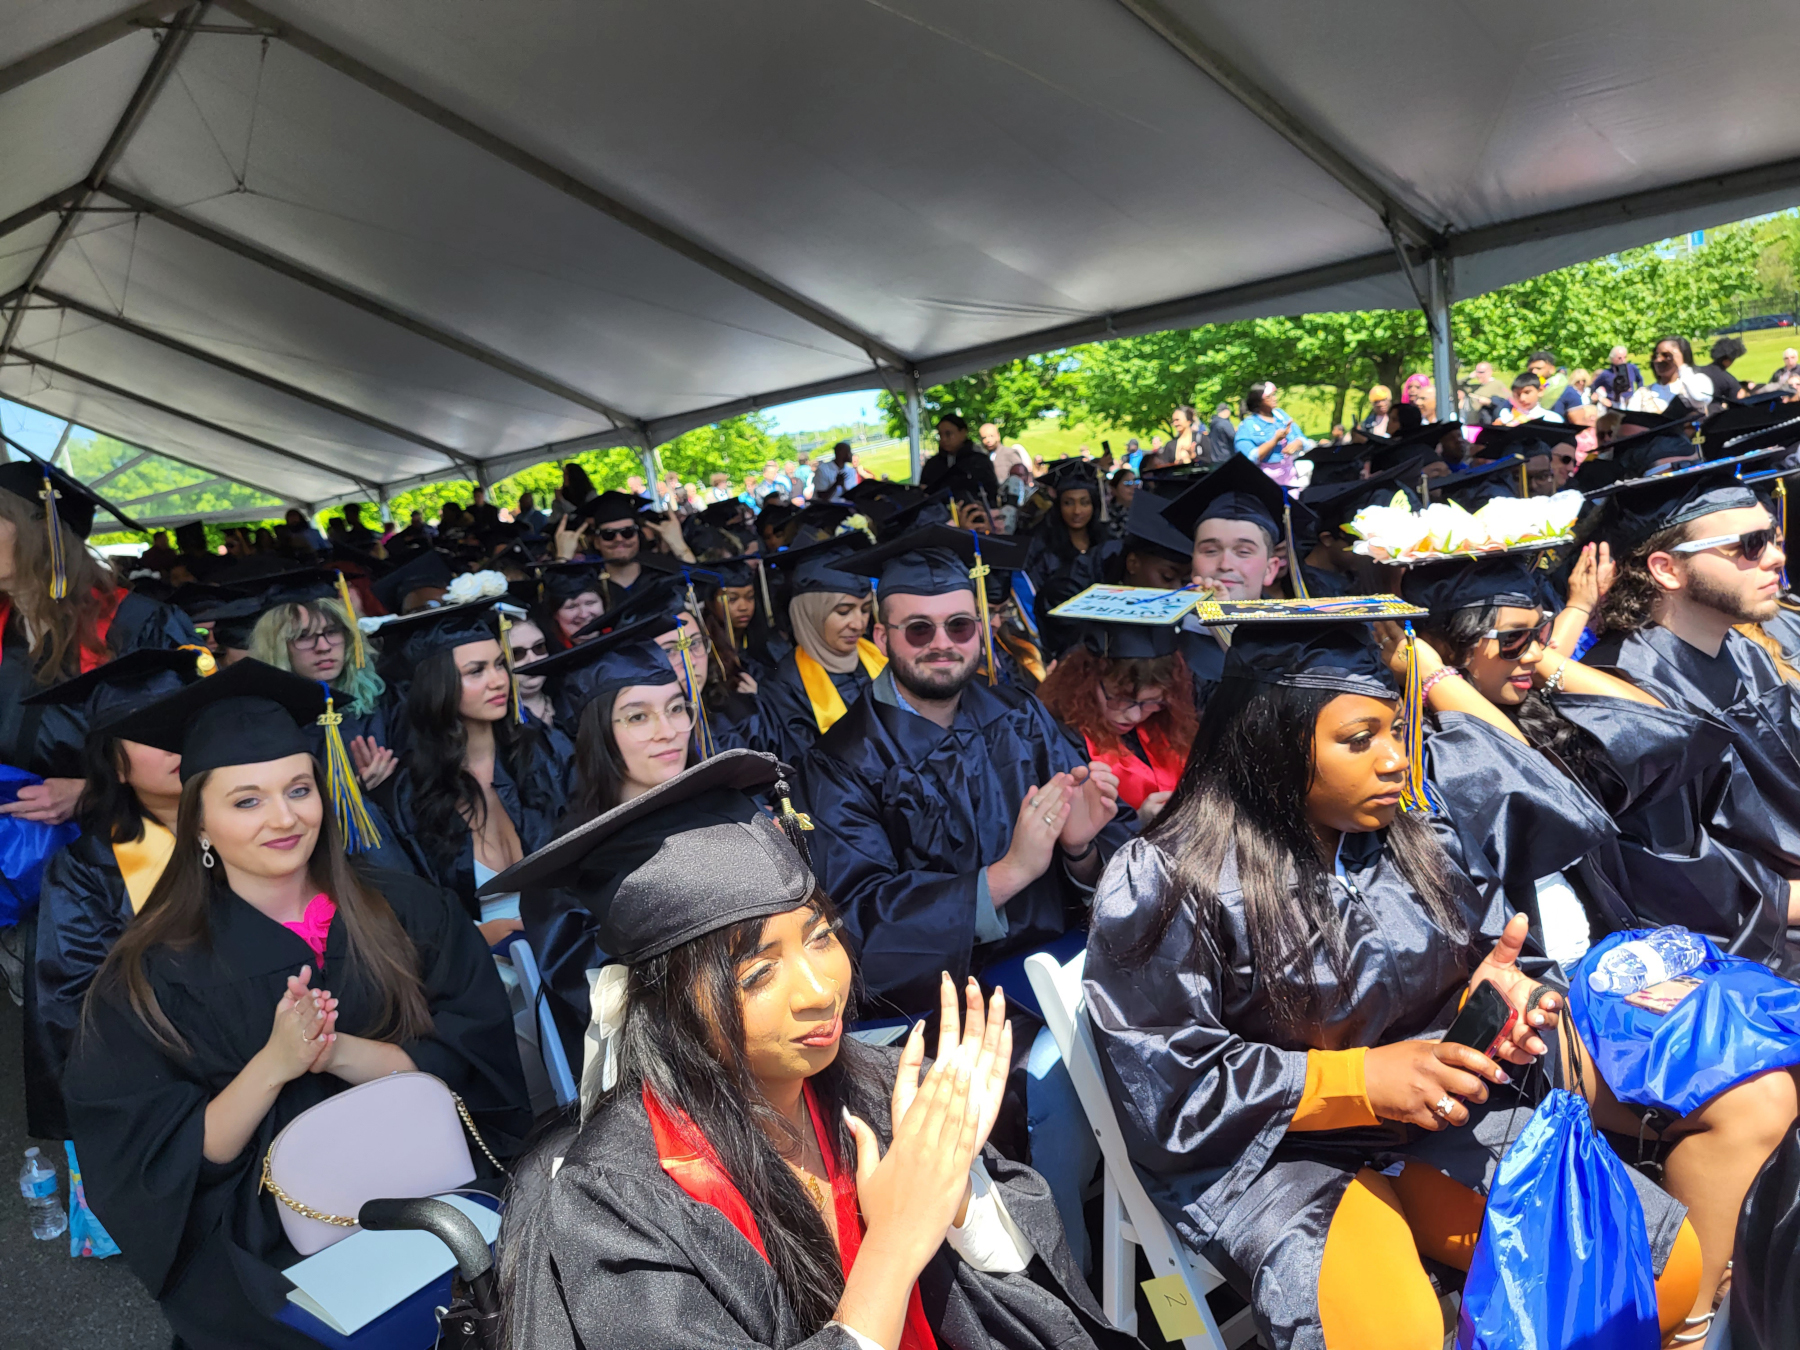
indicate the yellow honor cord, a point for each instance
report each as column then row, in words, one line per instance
column 353, row 819
column 59, row 560
column 359, row 656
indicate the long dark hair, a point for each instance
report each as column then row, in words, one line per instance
column 60, row 629
column 599, row 767
column 1243, row 793
column 177, row 914
column 109, row 806
column 1575, row 749
column 447, row 801
column 684, row 1037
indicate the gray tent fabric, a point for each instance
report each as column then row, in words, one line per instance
column 326, row 246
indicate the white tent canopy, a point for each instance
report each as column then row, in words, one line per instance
column 328, row 248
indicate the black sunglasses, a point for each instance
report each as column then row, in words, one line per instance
column 1514, row 641
column 1752, row 545
column 610, row 535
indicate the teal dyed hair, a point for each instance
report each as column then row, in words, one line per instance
column 275, row 629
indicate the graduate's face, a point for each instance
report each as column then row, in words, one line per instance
column 1127, row 708
column 689, row 634
column 525, row 641
column 843, row 628
column 1155, row 571
column 793, row 988
column 262, row 819
column 939, row 665
column 1233, row 557
column 150, row 772
column 317, row 649
column 1076, row 506
column 617, row 540
column 651, row 724
column 1359, row 766
column 486, row 683
column 1722, row 578
column 740, row 605
column 1500, row 678
column 574, row 615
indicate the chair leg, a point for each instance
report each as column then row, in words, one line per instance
column 1118, row 1261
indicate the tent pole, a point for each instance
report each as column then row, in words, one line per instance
column 912, row 421
column 381, row 499
column 1443, row 353
column 647, row 457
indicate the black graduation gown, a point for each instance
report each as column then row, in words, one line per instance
column 1729, row 843
column 1206, row 1077
column 611, row 1252
column 83, row 906
column 207, row 1245
column 786, row 722
column 908, row 815
column 536, row 826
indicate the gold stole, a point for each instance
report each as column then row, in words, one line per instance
column 827, row 703
column 141, row 863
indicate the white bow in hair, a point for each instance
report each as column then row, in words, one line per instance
column 600, row 1054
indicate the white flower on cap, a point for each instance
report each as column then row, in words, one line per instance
column 472, row 586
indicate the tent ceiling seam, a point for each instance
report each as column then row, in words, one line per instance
column 566, row 183
column 84, row 43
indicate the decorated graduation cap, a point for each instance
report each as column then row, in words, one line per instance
column 427, row 570
column 1776, row 436
column 1329, row 645
column 58, row 500
column 1127, row 641
column 109, row 693
column 688, row 857
column 1464, row 583
column 816, row 568
column 1473, row 488
column 1734, row 419
column 1334, row 505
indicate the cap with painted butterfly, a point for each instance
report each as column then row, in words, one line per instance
column 1330, row 645
column 247, row 713
column 816, row 568
column 1333, row 505
column 934, row 560
column 1472, row 488
column 412, row 638
column 561, row 582
column 1464, row 583
column 1637, row 508
column 1236, row 490
column 110, row 692
column 690, row 856
column 428, row 570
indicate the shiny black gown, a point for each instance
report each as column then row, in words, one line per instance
column 202, row 1238
column 909, row 814
column 1206, row 1077
column 610, row 1252
column 1731, row 841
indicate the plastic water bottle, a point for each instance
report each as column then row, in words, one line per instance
column 1663, row 955
column 37, row 1183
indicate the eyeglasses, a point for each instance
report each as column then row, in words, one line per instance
column 959, row 628
column 1751, row 545
column 1145, row 707
column 535, row 650
column 642, row 721
column 1514, row 641
column 610, row 535
column 318, row 637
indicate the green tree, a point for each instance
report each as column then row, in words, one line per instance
column 737, row 446
column 1011, row 396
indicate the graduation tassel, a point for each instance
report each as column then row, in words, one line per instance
column 1417, row 795
column 359, row 656
column 796, row 825
column 703, row 737
column 978, row 574
column 762, row 576
column 360, row 834
column 955, row 516
column 1524, row 480
column 512, row 679
column 59, row 559
column 1287, row 520
column 204, row 664
column 1781, row 521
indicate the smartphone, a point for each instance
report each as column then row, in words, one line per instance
column 1485, row 1020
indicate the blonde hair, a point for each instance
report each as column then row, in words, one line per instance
column 60, row 630
column 281, row 625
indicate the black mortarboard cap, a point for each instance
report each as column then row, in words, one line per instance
column 1735, row 418
column 76, row 505
column 610, row 506
column 688, row 857
column 1471, row 488
column 561, row 582
column 248, row 713
column 660, row 596
column 894, row 517
column 1776, row 436
column 109, row 692
column 1315, row 652
column 626, row 656
column 816, row 569
column 1333, row 464
column 230, row 623
column 1127, row 641
column 1637, row 453
column 1637, row 508
column 723, row 515
column 426, row 570
column 408, row 640
column 1506, row 579
column 1526, row 439
column 934, row 560
column 1333, row 505
column 1236, row 490
column 1073, row 472
column 1147, row 527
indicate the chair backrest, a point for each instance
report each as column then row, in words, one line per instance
column 556, row 1059
column 1058, row 989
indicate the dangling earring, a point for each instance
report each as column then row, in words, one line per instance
column 206, row 853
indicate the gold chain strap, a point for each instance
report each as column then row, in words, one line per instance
column 306, row 1211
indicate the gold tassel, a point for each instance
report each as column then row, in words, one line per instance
column 359, row 656
column 1417, row 795
column 59, row 561
column 1287, row 520
column 204, row 664
column 512, row 679
column 1781, row 522
column 978, row 574
column 360, row 834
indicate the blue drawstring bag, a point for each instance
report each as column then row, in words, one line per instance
column 1563, row 1261
column 1743, row 1020
column 25, row 846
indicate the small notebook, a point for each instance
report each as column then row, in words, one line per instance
column 351, row 1283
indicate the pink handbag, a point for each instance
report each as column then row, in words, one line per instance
column 398, row 1137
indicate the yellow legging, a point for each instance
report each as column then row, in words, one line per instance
column 1374, row 1294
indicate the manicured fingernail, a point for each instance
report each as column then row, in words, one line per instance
column 1502, row 1076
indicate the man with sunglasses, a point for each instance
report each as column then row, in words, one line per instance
column 1698, row 562
column 960, row 828
column 616, row 535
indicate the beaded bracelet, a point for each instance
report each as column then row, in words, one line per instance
column 1431, row 680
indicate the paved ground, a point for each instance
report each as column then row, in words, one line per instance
column 48, row 1300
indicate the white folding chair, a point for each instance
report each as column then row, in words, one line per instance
column 1129, row 1218
column 556, row 1061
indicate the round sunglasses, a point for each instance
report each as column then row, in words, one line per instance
column 959, row 628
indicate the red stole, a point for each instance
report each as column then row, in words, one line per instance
column 1137, row 780
column 90, row 659
column 691, row 1162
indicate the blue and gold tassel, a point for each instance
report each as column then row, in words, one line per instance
column 512, row 679
column 59, row 558
column 979, row 574
column 1417, row 795
column 685, row 643
column 1781, row 523
column 360, row 834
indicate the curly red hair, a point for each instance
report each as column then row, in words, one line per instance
column 1072, row 693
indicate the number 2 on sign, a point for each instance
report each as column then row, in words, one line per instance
column 1174, row 1307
